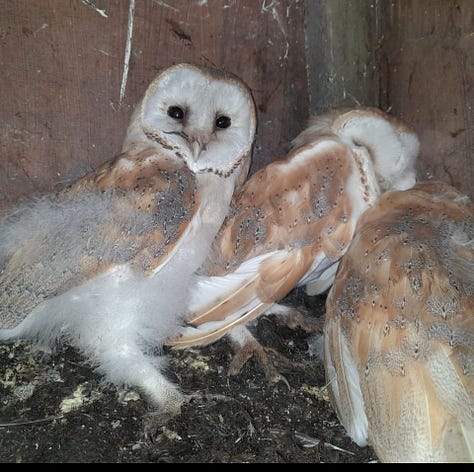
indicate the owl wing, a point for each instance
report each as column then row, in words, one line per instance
column 399, row 328
column 290, row 222
column 133, row 210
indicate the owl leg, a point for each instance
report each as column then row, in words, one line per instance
column 123, row 362
column 296, row 318
column 161, row 391
column 246, row 346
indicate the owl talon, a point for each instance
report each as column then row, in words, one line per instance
column 274, row 376
column 301, row 319
column 296, row 317
column 267, row 357
column 205, row 397
column 155, row 420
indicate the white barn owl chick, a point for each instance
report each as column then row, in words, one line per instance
column 107, row 264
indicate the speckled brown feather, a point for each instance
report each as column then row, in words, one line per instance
column 156, row 188
column 297, row 204
column 293, row 220
column 150, row 183
column 400, row 319
column 285, row 205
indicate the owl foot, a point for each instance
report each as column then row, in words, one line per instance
column 155, row 420
column 266, row 356
column 296, row 318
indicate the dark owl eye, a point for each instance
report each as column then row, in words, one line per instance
column 176, row 113
column 222, row 121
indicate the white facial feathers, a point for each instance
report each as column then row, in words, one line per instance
column 205, row 117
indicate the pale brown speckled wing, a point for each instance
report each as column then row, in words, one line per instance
column 133, row 210
column 291, row 219
column 399, row 334
column 160, row 188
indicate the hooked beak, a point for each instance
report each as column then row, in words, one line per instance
column 198, row 144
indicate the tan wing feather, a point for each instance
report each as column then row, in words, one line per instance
column 403, row 301
column 286, row 204
column 145, row 203
column 278, row 274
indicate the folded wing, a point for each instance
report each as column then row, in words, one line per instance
column 133, row 210
column 399, row 329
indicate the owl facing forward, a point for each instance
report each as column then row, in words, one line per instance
column 107, row 264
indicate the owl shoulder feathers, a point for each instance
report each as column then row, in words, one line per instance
column 294, row 219
column 399, row 329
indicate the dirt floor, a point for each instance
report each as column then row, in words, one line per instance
column 57, row 409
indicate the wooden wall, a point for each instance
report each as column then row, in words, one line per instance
column 62, row 69
column 414, row 58
column 428, row 78
column 343, row 40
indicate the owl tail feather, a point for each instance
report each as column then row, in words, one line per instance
column 221, row 303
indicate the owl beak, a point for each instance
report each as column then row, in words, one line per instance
column 198, row 144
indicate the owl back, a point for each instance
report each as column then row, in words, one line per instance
column 399, row 331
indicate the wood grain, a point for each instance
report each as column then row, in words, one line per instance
column 428, row 57
column 62, row 68
column 414, row 58
column 62, row 65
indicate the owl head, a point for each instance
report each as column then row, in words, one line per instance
column 206, row 117
column 391, row 144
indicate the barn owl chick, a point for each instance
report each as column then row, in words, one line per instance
column 107, row 264
column 399, row 327
column 293, row 220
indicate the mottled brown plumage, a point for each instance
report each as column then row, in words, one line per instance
column 159, row 187
column 399, row 328
column 150, row 200
column 293, row 220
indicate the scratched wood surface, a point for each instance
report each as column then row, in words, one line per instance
column 414, row 58
column 63, row 69
column 427, row 63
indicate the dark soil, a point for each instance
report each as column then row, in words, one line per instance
column 57, row 409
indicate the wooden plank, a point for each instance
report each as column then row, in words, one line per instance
column 414, row 58
column 343, row 42
column 62, row 64
column 429, row 81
